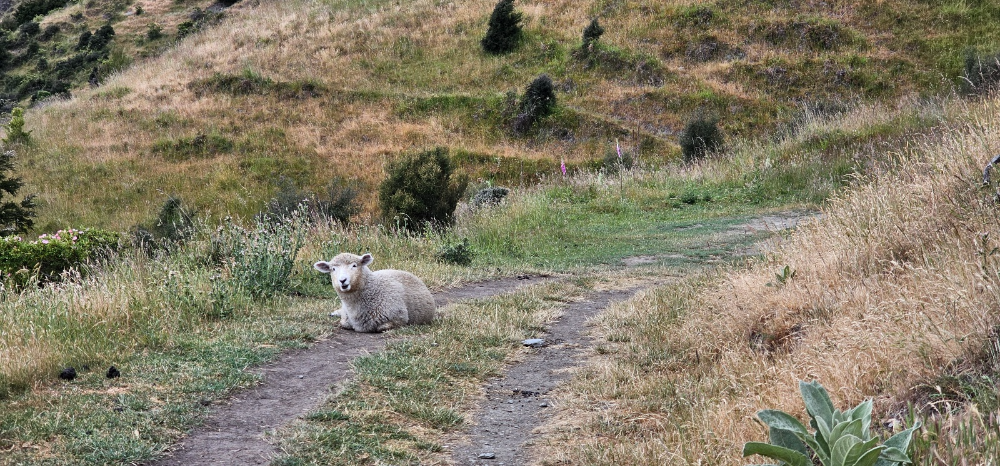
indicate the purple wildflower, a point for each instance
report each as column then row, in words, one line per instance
column 562, row 166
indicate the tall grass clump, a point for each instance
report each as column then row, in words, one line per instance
column 895, row 286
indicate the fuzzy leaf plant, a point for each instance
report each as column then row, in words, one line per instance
column 840, row 438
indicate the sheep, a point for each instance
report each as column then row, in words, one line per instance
column 376, row 301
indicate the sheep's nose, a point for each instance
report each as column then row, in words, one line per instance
column 343, row 281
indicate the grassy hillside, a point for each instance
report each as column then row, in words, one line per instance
column 311, row 91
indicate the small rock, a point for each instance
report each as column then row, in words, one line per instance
column 487, row 456
column 534, row 342
column 113, row 373
column 302, row 376
column 510, row 402
column 543, row 405
column 68, row 373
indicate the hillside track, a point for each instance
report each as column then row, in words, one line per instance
column 519, row 401
column 297, row 383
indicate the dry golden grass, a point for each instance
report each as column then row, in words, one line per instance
column 386, row 54
column 893, row 287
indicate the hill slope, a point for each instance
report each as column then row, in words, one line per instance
column 307, row 92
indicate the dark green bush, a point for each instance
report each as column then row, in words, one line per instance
column 15, row 217
column 49, row 32
column 981, row 73
column 504, row 32
column 537, row 102
column 30, row 28
column 700, row 137
column 457, row 253
column 591, row 33
column 153, row 32
column 490, row 196
column 25, row 262
column 29, row 9
column 421, row 189
column 102, row 37
column 84, row 40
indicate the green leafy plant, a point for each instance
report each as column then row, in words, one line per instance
column 840, row 438
column 504, row 30
column 421, row 189
column 781, row 278
column 257, row 262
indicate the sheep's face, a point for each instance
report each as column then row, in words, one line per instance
column 345, row 271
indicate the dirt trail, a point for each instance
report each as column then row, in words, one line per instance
column 295, row 384
column 518, row 402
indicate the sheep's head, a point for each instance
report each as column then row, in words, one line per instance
column 346, row 271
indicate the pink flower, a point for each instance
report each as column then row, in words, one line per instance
column 45, row 241
column 562, row 166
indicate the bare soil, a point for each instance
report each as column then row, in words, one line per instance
column 518, row 402
column 298, row 382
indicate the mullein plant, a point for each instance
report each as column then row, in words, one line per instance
column 841, row 438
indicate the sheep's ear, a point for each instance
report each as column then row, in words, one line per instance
column 323, row 266
column 366, row 259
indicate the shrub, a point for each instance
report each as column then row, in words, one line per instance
column 15, row 135
column 981, row 74
column 28, row 10
column 46, row 258
column 337, row 203
column 618, row 160
column 49, row 32
column 15, row 217
column 591, row 33
column 537, row 102
column 30, row 28
column 458, row 253
column 488, row 197
column 700, row 137
column 257, row 261
column 84, row 40
column 420, row 189
column 102, row 37
column 840, row 439
column 153, row 32
column 504, row 30
column 174, row 224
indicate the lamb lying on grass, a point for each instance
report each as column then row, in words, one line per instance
column 376, row 301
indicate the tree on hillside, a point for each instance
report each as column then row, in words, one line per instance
column 15, row 217
column 504, row 29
